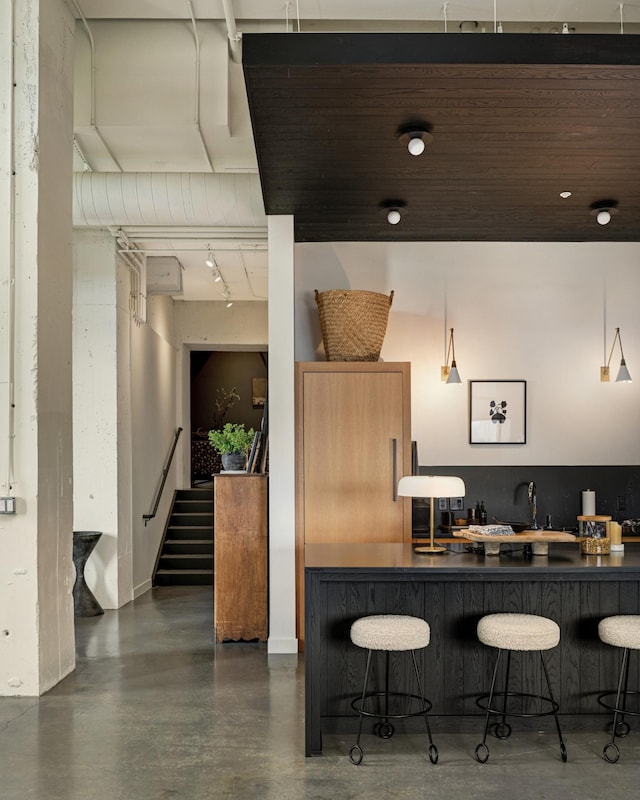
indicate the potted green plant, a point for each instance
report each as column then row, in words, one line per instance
column 232, row 442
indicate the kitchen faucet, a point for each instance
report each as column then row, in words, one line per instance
column 533, row 503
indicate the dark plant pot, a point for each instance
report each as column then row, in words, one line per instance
column 233, row 461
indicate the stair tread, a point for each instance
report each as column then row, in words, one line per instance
column 186, row 555
column 185, row 571
column 192, row 513
column 187, row 527
column 188, row 541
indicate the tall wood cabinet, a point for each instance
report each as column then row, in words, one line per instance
column 353, row 444
column 240, row 552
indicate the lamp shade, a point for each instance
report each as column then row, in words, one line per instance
column 431, row 486
column 623, row 373
column 454, row 377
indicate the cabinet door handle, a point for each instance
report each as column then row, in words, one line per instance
column 394, row 450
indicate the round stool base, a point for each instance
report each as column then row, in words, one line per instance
column 361, row 708
column 501, row 704
column 384, row 706
column 553, row 707
column 611, row 706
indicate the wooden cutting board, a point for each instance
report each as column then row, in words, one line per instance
column 525, row 537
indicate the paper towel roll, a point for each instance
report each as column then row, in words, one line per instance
column 588, row 503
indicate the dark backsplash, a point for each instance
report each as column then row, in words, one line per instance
column 559, row 491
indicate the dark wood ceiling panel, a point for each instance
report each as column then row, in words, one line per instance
column 516, row 119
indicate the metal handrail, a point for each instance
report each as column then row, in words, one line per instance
column 165, row 472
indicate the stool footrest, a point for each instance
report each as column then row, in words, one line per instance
column 611, row 705
column 361, row 707
column 482, row 702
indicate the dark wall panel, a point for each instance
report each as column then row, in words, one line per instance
column 216, row 370
column 559, row 491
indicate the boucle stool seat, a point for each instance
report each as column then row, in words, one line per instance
column 390, row 633
column 519, row 632
column 516, row 633
column 621, row 631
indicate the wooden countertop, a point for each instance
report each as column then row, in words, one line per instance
column 526, row 537
column 562, row 558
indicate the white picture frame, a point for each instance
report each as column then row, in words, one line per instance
column 497, row 412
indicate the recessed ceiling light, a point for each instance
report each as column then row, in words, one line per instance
column 603, row 210
column 416, row 146
column 564, row 195
column 393, row 217
column 415, row 137
column 393, row 210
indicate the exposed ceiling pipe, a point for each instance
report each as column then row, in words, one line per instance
column 94, row 126
column 235, row 38
column 8, row 230
column 230, row 200
column 197, row 87
column 137, row 264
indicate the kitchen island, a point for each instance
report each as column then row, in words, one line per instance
column 452, row 592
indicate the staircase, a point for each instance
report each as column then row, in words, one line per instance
column 186, row 554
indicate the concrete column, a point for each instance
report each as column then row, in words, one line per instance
column 101, row 402
column 36, row 569
column 282, row 529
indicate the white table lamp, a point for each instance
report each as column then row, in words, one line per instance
column 431, row 486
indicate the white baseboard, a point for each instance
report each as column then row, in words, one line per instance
column 141, row 588
column 284, row 646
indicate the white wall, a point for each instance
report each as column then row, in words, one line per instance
column 153, row 420
column 212, row 324
column 532, row 311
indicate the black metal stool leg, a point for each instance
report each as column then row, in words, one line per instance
column 356, row 753
column 433, row 750
column 385, row 729
column 482, row 750
column 503, row 729
column 622, row 728
column 563, row 749
column 611, row 752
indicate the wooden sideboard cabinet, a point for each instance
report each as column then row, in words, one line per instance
column 240, row 557
column 353, row 444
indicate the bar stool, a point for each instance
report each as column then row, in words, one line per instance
column 387, row 633
column 619, row 631
column 521, row 632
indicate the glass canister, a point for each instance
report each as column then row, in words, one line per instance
column 592, row 531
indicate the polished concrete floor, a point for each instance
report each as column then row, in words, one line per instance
column 156, row 711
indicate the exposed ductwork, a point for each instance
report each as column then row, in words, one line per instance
column 103, row 199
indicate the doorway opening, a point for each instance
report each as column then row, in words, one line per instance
column 226, row 386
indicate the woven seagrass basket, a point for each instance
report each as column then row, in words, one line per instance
column 353, row 323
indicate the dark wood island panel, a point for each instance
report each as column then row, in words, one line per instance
column 452, row 592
